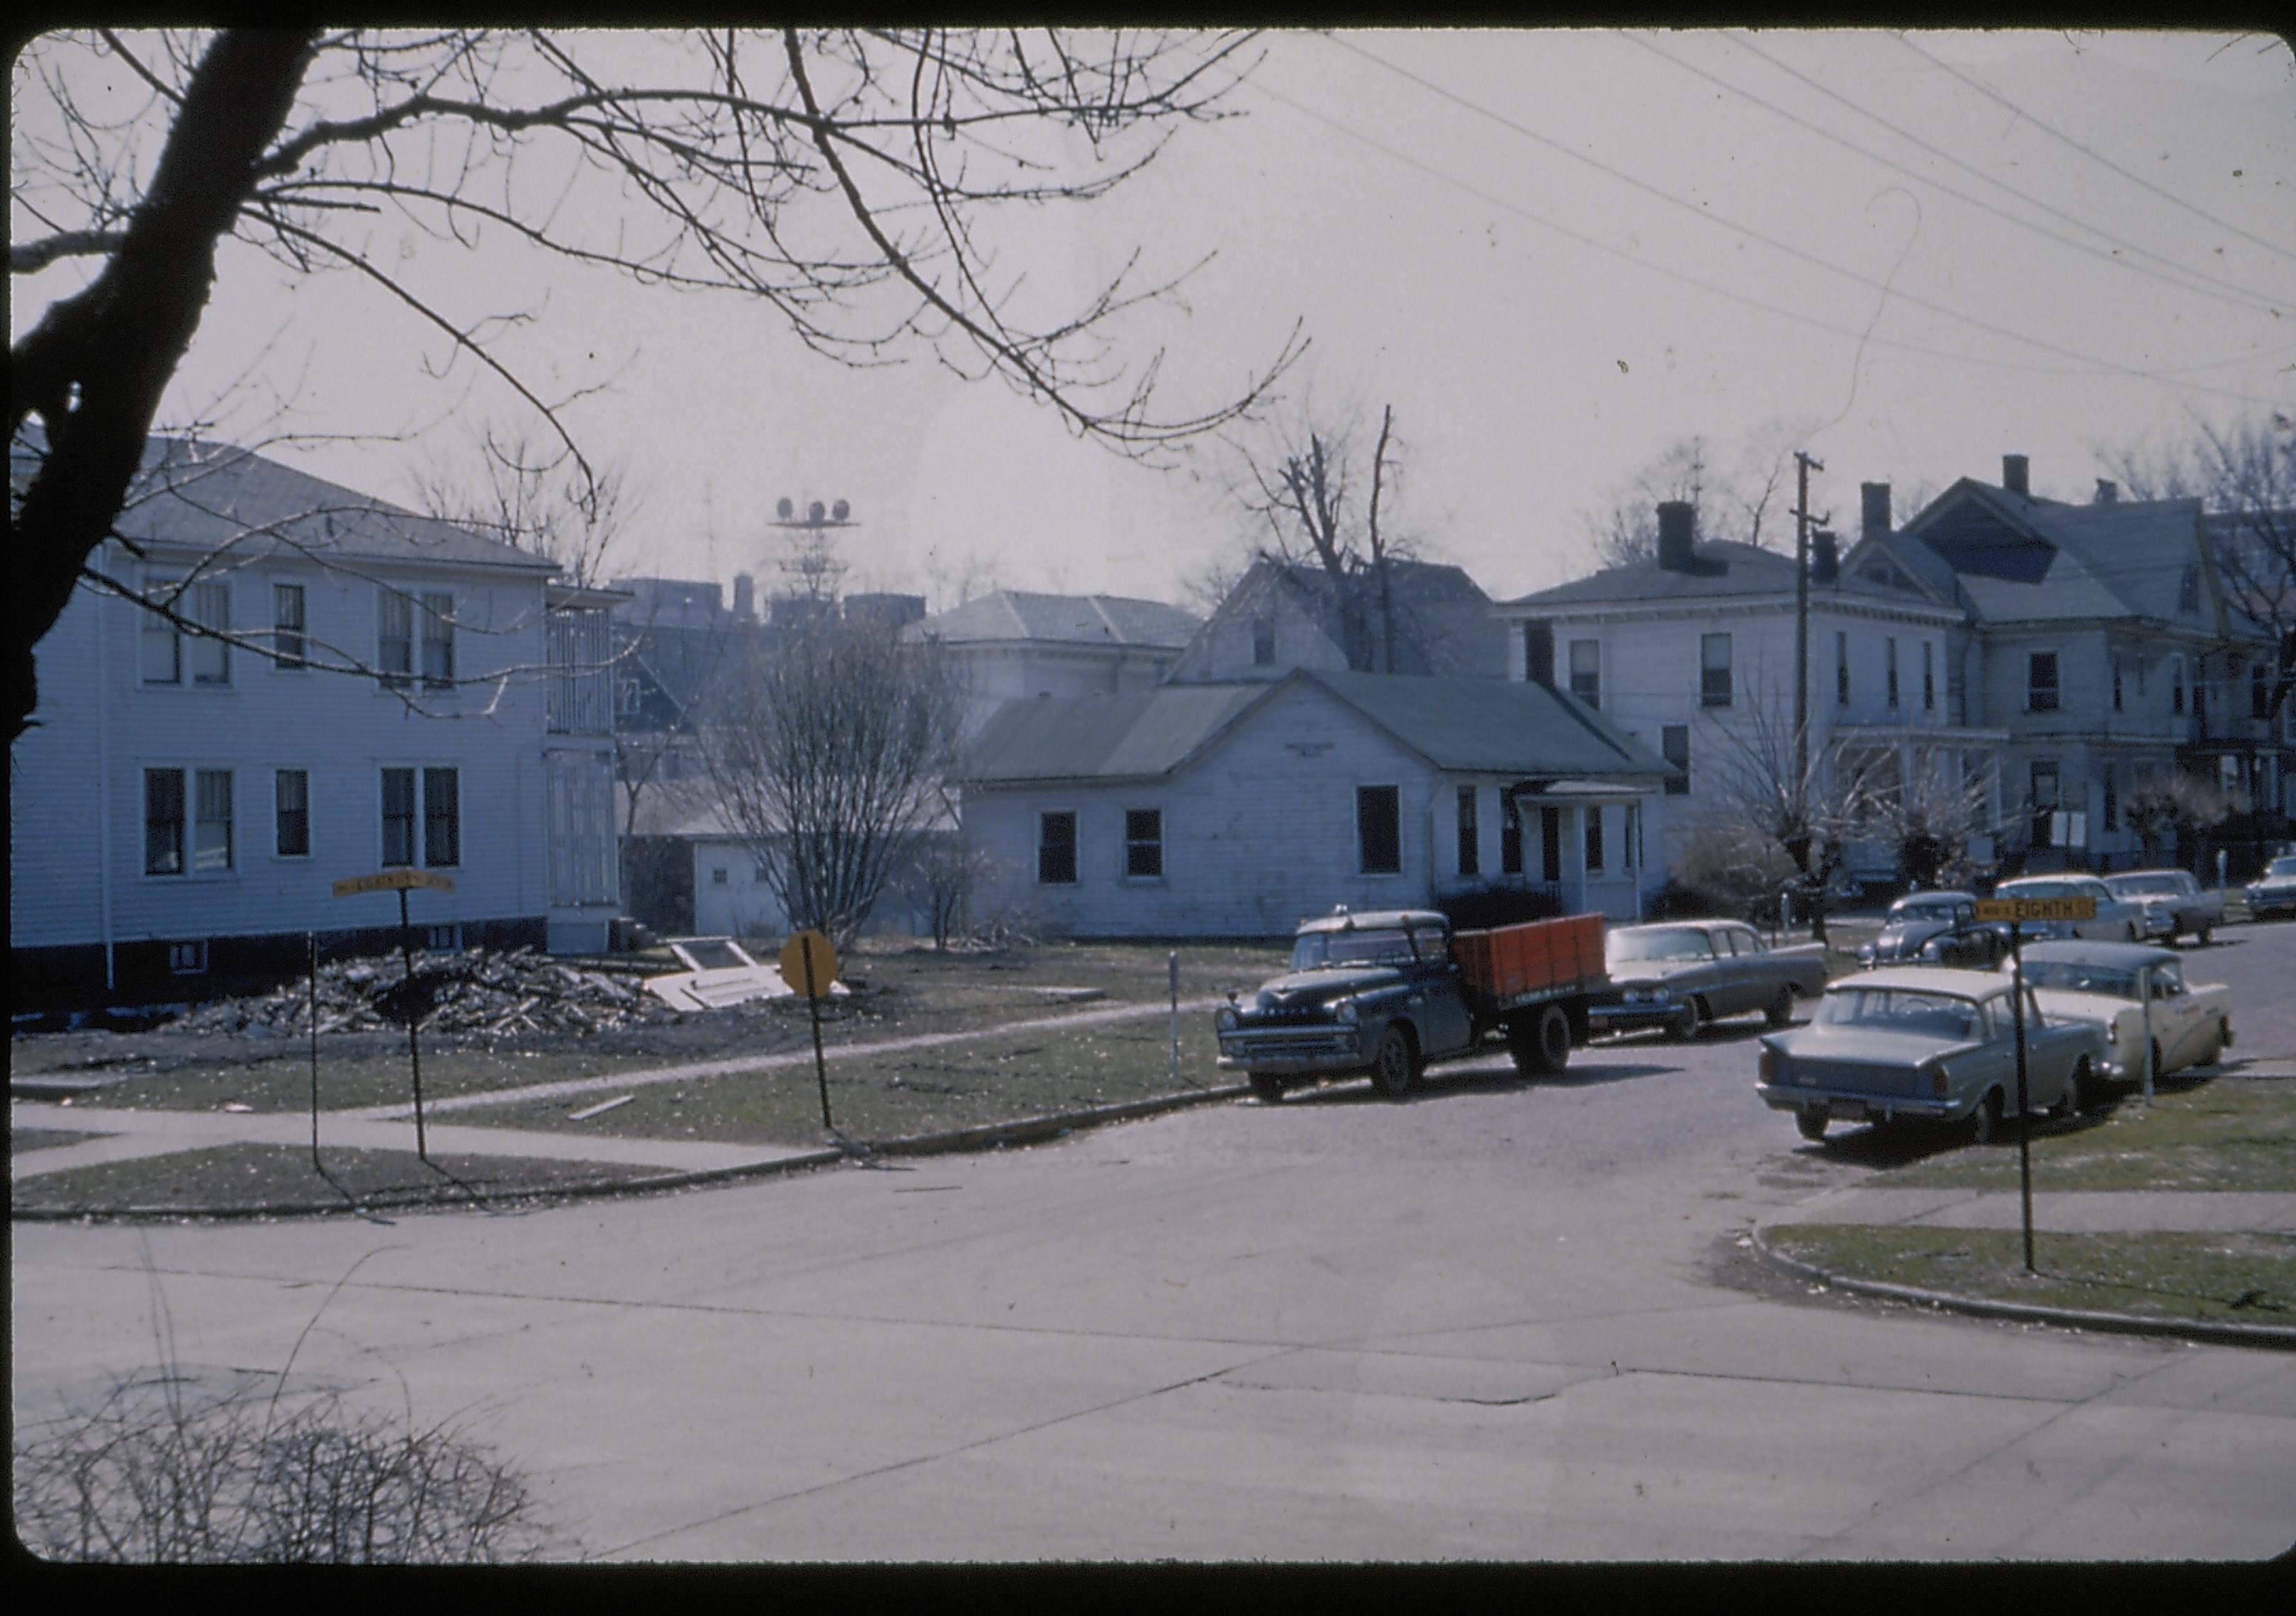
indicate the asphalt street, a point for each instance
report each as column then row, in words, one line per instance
column 1501, row 1320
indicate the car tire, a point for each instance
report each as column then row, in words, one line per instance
column 1686, row 1027
column 1395, row 1068
column 1782, row 1008
column 1540, row 1045
column 2216, row 1041
column 2069, row 1103
column 1985, row 1123
column 1810, row 1121
column 2203, row 935
column 1267, row 1087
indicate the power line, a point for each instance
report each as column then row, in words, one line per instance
column 1994, row 95
column 2228, row 291
column 2091, row 363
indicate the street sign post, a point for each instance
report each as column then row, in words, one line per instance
column 399, row 882
column 2016, row 911
column 809, row 958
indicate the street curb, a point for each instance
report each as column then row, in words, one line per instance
column 2271, row 1337
column 1025, row 1131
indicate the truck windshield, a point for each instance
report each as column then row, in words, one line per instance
column 1667, row 942
column 1324, row 950
column 1936, row 1015
column 2072, row 976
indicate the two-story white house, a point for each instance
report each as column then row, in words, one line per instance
column 1413, row 617
column 2097, row 639
column 345, row 688
column 1236, row 809
column 1693, row 652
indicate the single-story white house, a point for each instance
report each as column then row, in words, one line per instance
column 1237, row 810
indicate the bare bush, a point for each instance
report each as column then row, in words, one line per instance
column 160, row 1474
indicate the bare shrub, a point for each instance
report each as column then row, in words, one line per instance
column 160, row 1474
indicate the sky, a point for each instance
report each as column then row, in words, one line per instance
column 1552, row 253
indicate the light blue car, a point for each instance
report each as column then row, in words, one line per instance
column 1913, row 1044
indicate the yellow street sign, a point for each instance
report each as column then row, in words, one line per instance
column 2036, row 908
column 392, row 880
column 793, row 962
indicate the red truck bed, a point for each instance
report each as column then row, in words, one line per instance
column 1534, row 959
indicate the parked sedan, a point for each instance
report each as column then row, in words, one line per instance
column 2173, row 902
column 2101, row 984
column 1912, row 920
column 1681, row 974
column 2118, row 920
column 1914, row 1044
column 2273, row 892
column 1979, row 946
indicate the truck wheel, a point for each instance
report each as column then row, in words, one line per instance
column 1267, row 1087
column 1689, row 1024
column 1540, row 1044
column 1782, row 1008
column 1810, row 1121
column 1396, row 1067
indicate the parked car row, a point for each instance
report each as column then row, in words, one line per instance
column 1928, row 1030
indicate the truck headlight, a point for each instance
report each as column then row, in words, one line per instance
column 1225, row 1018
column 1344, row 1012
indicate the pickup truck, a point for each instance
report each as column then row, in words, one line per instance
column 1388, row 991
column 1679, row 975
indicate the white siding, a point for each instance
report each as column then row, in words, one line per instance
column 342, row 729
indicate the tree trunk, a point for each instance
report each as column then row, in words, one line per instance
column 96, row 365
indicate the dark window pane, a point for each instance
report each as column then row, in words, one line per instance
column 1379, row 829
column 1144, row 842
column 1471, row 857
column 163, row 822
column 398, row 817
column 442, row 817
column 1057, row 849
column 291, row 797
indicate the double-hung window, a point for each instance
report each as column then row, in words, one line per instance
column 2041, row 681
column 1889, row 668
column 1593, row 813
column 438, row 816
column 1841, row 667
column 438, row 641
column 1673, row 742
column 1928, row 677
column 1144, row 844
column 290, row 646
column 165, row 652
column 1714, row 669
column 199, row 841
column 1471, row 857
column 1586, row 672
column 393, row 638
column 291, row 797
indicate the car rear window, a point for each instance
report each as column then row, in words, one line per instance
column 1937, row 1015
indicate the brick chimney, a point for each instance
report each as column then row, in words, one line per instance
column 1825, row 554
column 1874, row 499
column 2014, row 477
column 2108, row 492
column 745, row 606
column 1677, row 527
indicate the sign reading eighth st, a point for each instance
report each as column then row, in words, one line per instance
column 392, row 880
column 2036, row 908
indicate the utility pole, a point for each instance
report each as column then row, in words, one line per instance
column 1803, row 467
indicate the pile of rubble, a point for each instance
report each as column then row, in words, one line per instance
column 481, row 992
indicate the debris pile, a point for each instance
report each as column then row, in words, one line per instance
column 481, row 992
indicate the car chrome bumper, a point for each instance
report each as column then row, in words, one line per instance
column 1294, row 1051
column 1633, row 1018
column 1849, row 1106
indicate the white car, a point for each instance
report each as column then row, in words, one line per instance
column 2099, row 983
column 2173, row 902
column 2118, row 920
column 2273, row 892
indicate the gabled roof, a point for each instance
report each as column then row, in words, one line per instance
column 1011, row 615
column 1443, row 619
column 2018, row 559
column 1720, row 568
column 214, row 497
column 1460, row 724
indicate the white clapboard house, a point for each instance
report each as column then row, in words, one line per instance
column 394, row 693
column 1236, row 809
